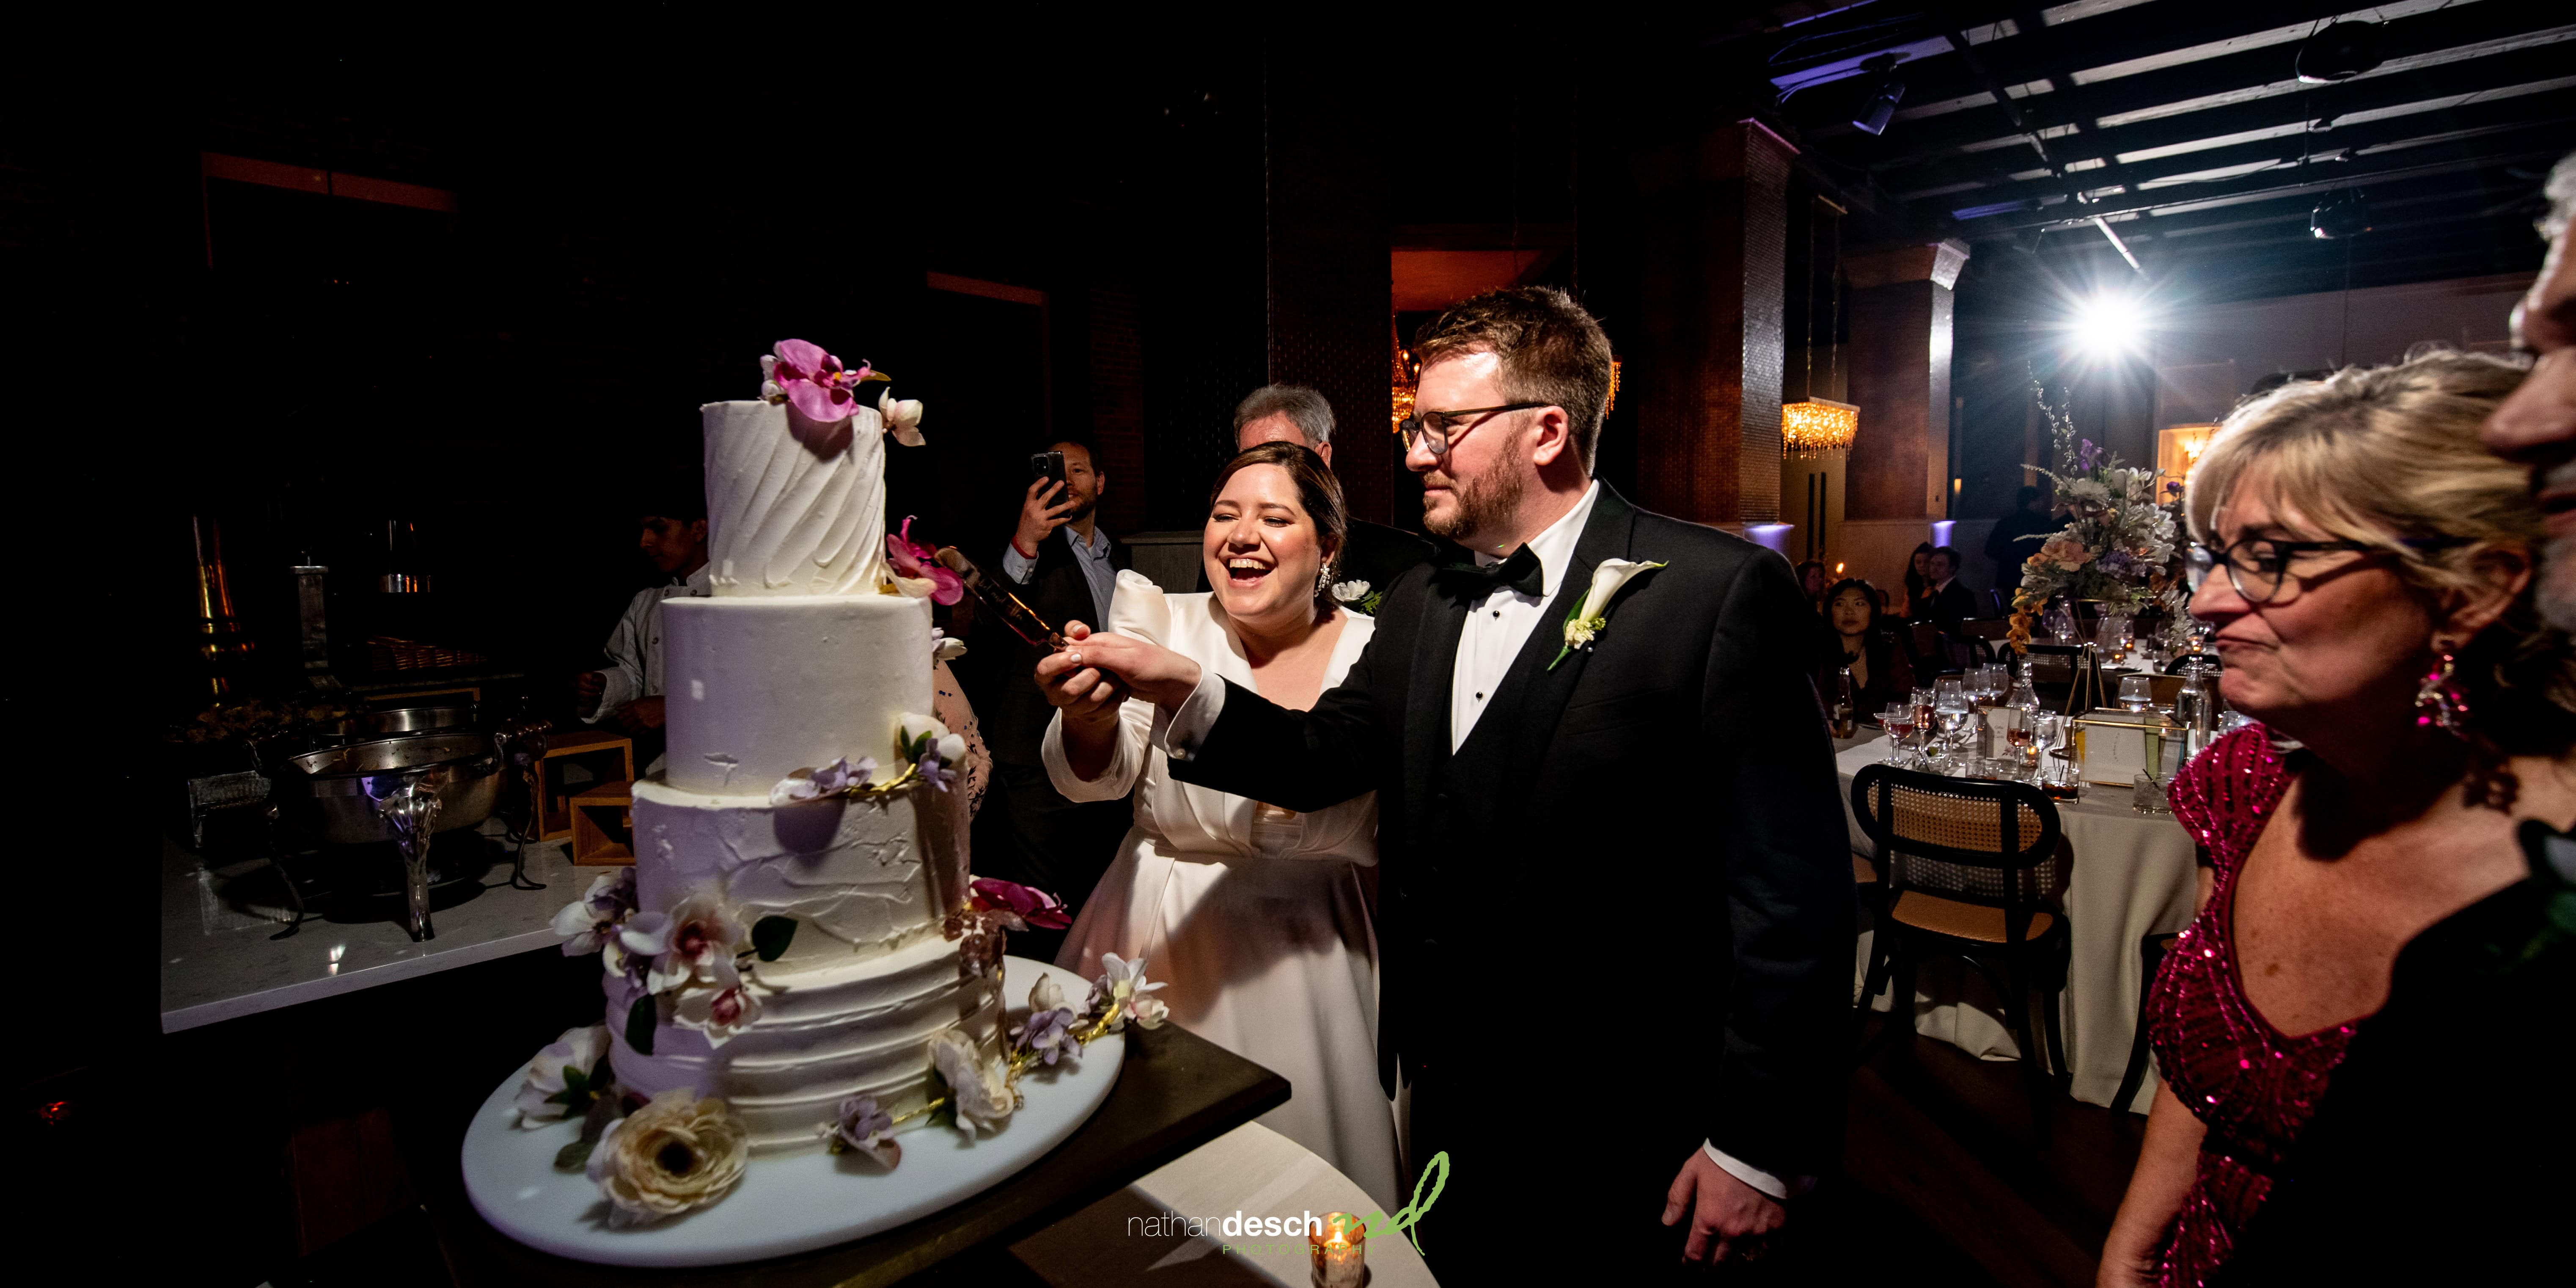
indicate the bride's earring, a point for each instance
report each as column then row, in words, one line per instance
column 2439, row 702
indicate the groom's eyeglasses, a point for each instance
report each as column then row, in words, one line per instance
column 1433, row 427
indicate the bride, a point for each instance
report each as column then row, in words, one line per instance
column 1258, row 916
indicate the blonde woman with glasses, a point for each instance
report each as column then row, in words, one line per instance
column 2366, row 568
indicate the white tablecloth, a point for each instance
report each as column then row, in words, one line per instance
column 2133, row 876
column 1251, row 1171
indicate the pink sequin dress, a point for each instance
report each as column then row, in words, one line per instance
column 2250, row 1084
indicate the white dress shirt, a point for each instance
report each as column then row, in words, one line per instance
column 1495, row 631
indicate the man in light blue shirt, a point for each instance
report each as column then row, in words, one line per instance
column 1064, row 567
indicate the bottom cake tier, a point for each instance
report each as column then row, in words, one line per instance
column 822, row 1036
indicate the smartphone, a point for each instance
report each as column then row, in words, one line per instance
column 1047, row 465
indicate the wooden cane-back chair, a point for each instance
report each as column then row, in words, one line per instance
column 1971, row 869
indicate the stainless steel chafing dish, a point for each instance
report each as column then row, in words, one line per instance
column 404, row 789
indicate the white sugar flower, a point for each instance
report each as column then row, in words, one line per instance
column 902, row 417
column 979, row 1090
column 559, row 1078
column 719, row 1013
column 677, row 1153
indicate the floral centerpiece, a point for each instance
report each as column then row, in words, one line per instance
column 2122, row 544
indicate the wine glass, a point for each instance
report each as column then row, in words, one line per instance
column 1925, row 702
column 1898, row 720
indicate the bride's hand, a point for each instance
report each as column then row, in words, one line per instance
column 1156, row 674
column 1085, row 694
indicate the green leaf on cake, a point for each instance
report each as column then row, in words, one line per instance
column 640, row 1019
column 571, row 1157
column 771, row 935
column 576, row 1089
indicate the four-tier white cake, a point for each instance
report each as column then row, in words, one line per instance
column 804, row 655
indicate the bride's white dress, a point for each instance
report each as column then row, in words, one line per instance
column 1260, row 924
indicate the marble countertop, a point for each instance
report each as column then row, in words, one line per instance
column 219, row 962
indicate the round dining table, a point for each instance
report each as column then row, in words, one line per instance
column 2132, row 875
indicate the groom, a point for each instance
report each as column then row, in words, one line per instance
column 1617, row 910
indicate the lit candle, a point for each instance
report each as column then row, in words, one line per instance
column 1339, row 1244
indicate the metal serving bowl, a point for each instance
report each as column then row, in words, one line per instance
column 402, row 720
column 335, row 791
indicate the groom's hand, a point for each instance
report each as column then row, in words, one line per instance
column 1158, row 675
column 1728, row 1218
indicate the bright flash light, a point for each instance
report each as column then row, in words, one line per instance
column 2110, row 325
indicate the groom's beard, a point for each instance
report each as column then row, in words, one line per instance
column 2557, row 591
column 1479, row 507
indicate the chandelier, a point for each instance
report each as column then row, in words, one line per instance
column 1815, row 426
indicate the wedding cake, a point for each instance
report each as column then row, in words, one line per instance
column 798, row 958
column 807, row 654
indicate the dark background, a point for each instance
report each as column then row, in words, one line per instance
column 648, row 197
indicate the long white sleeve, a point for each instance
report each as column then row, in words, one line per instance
column 1127, row 752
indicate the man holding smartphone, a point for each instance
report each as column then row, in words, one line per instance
column 1064, row 495
column 1062, row 564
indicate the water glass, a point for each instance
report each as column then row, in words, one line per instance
column 2137, row 692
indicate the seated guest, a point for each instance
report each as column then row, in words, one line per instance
column 2370, row 589
column 1373, row 554
column 1811, row 583
column 2006, row 545
column 2439, row 1083
column 1881, row 673
column 1944, row 602
column 1062, row 563
column 628, row 693
column 1918, row 567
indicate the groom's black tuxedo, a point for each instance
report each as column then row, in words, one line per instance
column 1619, row 917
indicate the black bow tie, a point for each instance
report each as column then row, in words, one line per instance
column 1521, row 572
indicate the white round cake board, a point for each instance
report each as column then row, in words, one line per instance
column 810, row 1199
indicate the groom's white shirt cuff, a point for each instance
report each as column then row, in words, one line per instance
column 1778, row 1188
column 1190, row 721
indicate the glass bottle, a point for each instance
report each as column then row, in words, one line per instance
column 1838, row 704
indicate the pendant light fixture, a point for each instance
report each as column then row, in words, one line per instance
column 1814, row 426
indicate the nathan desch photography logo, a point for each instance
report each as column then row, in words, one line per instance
column 1235, row 1231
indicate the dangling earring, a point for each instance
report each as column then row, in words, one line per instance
column 1324, row 583
column 2439, row 702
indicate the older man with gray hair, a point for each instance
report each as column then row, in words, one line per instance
column 1373, row 555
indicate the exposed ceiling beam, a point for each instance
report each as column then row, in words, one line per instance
column 2433, row 85
column 2531, row 143
column 2124, row 34
column 2557, row 106
column 1926, row 141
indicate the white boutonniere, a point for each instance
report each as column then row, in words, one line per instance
column 1585, row 623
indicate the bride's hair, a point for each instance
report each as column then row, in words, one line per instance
column 1317, row 490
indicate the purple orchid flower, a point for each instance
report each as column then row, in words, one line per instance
column 1048, row 1035
column 815, row 383
column 866, row 1128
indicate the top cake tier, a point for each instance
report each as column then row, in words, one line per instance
column 793, row 507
